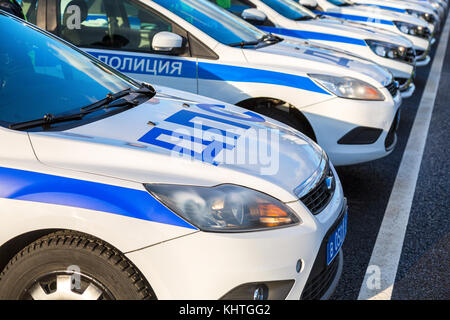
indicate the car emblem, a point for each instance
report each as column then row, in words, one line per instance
column 329, row 181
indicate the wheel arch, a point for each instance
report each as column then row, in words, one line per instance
column 309, row 131
column 13, row 246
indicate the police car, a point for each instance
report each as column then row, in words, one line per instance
column 423, row 11
column 440, row 5
column 418, row 31
column 109, row 190
column 349, row 105
column 287, row 18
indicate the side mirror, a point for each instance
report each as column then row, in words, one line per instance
column 310, row 4
column 167, row 41
column 254, row 16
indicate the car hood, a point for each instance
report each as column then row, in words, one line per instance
column 137, row 145
column 345, row 28
column 380, row 14
column 307, row 57
column 398, row 4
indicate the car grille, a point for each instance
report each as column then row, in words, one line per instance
column 429, row 18
column 390, row 138
column 322, row 275
column 316, row 287
column 410, row 56
column 420, row 55
column 392, row 88
column 318, row 197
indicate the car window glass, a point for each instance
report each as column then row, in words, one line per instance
column 288, row 9
column 234, row 6
column 213, row 20
column 29, row 8
column 41, row 75
column 116, row 24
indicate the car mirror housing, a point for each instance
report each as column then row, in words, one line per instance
column 310, row 4
column 167, row 41
column 254, row 16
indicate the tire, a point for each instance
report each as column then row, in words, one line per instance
column 288, row 116
column 69, row 265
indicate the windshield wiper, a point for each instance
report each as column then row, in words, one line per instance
column 47, row 120
column 265, row 38
column 145, row 89
column 116, row 100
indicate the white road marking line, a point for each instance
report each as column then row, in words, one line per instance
column 380, row 276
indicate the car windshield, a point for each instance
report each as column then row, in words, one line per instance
column 289, row 9
column 40, row 75
column 213, row 20
column 341, row 3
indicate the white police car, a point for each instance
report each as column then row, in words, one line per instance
column 287, row 18
column 108, row 191
column 415, row 29
column 423, row 11
column 347, row 104
column 440, row 5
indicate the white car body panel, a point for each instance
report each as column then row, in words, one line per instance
column 342, row 35
column 401, row 7
column 379, row 18
column 240, row 74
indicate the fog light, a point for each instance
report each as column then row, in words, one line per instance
column 270, row 290
column 261, row 293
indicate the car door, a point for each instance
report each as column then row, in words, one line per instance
column 120, row 33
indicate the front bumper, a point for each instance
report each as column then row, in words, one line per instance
column 423, row 59
column 399, row 69
column 407, row 86
column 207, row 265
column 408, row 91
column 333, row 119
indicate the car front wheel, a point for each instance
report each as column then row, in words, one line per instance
column 72, row 266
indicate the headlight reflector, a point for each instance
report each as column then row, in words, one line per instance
column 388, row 50
column 224, row 208
column 347, row 87
column 412, row 29
column 415, row 13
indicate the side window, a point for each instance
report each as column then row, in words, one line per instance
column 144, row 24
column 234, row 6
column 29, row 8
column 110, row 24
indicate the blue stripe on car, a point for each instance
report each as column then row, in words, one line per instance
column 354, row 17
column 314, row 35
column 159, row 66
column 44, row 188
column 211, row 71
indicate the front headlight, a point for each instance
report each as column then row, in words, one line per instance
column 435, row 5
column 224, row 208
column 419, row 14
column 387, row 50
column 412, row 29
column 347, row 87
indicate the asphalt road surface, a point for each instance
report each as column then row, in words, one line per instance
column 423, row 269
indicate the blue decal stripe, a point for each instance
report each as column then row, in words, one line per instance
column 44, row 188
column 355, row 18
column 314, row 35
column 210, row 71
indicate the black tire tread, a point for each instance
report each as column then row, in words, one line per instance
column 73, row 239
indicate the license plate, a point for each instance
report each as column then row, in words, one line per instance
column 336, row 240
